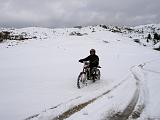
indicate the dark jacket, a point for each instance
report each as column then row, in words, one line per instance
column 93, row 59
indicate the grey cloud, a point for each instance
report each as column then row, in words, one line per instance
column 68, row 13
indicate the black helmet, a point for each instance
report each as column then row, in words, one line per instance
column 92, row 51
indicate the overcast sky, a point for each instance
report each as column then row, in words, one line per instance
column 68, row 13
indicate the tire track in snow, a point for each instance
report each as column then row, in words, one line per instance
column 77, row 108
column 129, row 110
column 36, row 115
column 148, row 70
column 141, row 80
column 134, row 109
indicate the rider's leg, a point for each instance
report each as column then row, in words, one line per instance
column 91, row 67
column 92, row 74
column 88, row 73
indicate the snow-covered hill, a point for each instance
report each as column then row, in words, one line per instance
column 38, row 75
column 137, row 34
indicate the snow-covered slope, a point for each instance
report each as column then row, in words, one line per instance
column 141, row 33
column 38, row 76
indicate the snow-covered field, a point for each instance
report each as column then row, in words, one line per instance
column 38, row 76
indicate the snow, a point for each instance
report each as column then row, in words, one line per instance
column 152, row 71
column 157, row 45
column 41, row 73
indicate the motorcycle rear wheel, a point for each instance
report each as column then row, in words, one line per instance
column 98, row 74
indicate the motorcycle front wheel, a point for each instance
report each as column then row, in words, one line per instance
column 82, row 80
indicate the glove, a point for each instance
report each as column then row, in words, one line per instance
column 81, row 60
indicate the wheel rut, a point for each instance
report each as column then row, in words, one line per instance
column 128, row 110
column 131, row 111
column 77, row 108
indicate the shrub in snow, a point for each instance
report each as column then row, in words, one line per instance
column 136, row 40
column 77, row 33
column 1, row 38
column 4, row 35
column 156, row 38
column 129, row 29
column 104, row 26
column 149, row 37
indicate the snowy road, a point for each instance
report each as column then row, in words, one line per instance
column 131, row 110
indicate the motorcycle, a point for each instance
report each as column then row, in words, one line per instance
column 88, row 74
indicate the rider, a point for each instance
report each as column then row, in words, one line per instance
column 92, row 58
